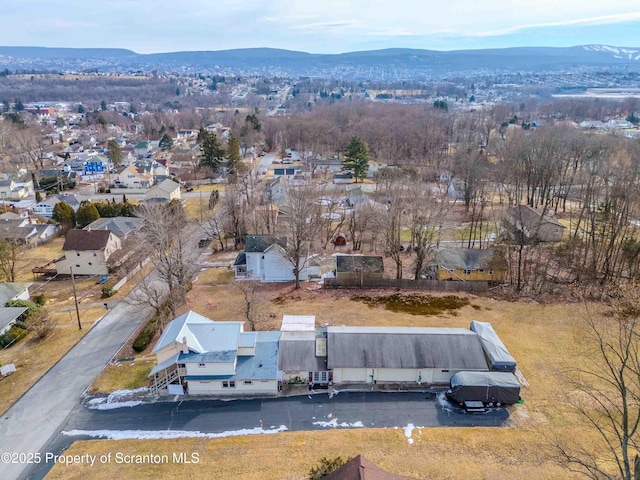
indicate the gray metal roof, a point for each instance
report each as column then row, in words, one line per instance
column 406, row 347
column 10, row 290
column 259, row 243
column 462, row 259
column 298, row 353
column 9, row 315
column 203, row 335
column 247, row 339
column 120, row 226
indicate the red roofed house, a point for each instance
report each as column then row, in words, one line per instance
column 87, row 252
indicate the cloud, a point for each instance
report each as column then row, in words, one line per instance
column 601, row 20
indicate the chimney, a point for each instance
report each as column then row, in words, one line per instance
column 185, row 347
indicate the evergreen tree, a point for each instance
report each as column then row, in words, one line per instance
column 356, row 158
column 80, row 109
column 166, row 142
column 18, row 106
column 234, row 159
column 64, row 215
column 212, row 153
column 86, row 214
column 114, row 152
column 103, row 105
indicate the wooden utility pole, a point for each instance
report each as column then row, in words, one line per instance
column 75, row 297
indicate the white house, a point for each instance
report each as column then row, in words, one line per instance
column 14, row 291
column 87, row 252
column 167, row 190
column 45, row 207
column 131, row 178
column 200, row 356
column 264, row 258
column 9, row 189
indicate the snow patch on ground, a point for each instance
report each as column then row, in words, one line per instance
column 167, row 434
column 112, row 406
column 333, row 423
column 119, row 399
column 441, row 400
column 408, row 430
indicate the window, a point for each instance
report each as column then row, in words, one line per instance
column 78, row 253
column 466, row 272
column 481, row 270
column 90, row 264
column 229, row 384
column 77, row 265
column 248, row 382
column 201, row 365
column 95, row 254
column 557, row 230
column 445, row 371
column 490, row 272
column 181, row 365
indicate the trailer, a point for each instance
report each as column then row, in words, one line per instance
column 499, row 358
column 490, row 388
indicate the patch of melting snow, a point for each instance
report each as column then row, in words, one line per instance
column 118, row 399
column 167, row 434
column 330, row 415
column 408, row 430
column 441, row 399
column 334, row 424
column 333, row 393
column 114, row 405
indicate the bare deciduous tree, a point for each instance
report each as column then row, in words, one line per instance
column 166, row 242
column 301, row 225
column 606, row 395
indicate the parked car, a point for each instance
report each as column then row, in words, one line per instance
column 204, row 242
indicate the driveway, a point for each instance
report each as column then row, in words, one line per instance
column 303, row 413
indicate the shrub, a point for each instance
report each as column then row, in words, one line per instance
column 38, row 299
column 108, row 292
column 325, row 467
column 10, row 337
column 32, row 307
column 144, row 338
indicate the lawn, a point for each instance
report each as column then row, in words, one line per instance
column 124, row 375
column 543, row 338
column 32, row 359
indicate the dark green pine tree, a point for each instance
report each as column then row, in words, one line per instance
column 356, row 158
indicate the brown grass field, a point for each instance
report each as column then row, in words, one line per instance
column 543, row 338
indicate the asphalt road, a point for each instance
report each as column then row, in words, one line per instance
column 354, row 409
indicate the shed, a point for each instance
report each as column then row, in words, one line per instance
column 359, row 267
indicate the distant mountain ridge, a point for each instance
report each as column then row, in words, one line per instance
column 270, row 60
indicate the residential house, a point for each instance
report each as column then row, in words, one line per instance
column 46, row 206
column 275, row 191
column 361, row 468
column 197, row 355
column 264, row 259
column 130, row 177
column 14, row 291
column 200, row 356
column 525, row 223
column 87, row 252
column 120, row 226
column 467, row 265
column 9, row 189
column 167, row 190
column 26, row 231
column 9, row 316
column 142, row 149
column 359, row 267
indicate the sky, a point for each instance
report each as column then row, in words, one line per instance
column 330, row 26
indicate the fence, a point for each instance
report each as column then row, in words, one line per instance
column 407, row 284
